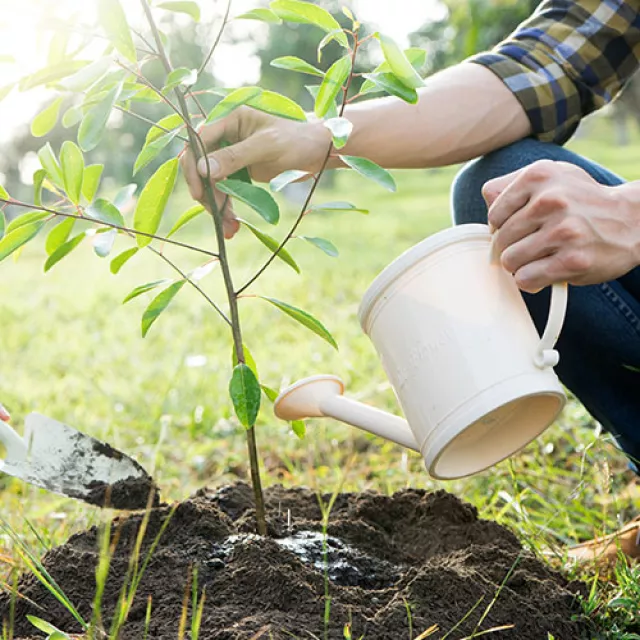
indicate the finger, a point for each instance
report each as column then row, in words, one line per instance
column 537, row 275
column 493, row 188
column 230, row 223
column 210, row 136
column 518, row 226
column 228, row 160
column 513, row 198
column 4, row 414
column 531, row 247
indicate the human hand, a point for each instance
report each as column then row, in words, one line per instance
column 554, row 223
column 263, row 143
column 4, row 414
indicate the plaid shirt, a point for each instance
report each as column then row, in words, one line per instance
column 568, row 59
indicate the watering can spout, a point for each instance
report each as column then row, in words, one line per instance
column 322, row 396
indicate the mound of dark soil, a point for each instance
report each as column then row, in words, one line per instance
column 395, row 566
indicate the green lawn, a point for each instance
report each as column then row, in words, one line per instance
column 71, row 350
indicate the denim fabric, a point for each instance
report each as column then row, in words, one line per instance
column 600, row 339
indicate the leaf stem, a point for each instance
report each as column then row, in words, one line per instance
column 75, row 216
column 198, row 145
column 225, row 19
column 316, row 180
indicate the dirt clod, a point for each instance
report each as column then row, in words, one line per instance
column 408, row 561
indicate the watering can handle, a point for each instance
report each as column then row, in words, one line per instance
column 546, row 355
column 13, row 443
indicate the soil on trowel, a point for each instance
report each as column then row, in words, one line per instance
column 130, row 494
column 393, row 567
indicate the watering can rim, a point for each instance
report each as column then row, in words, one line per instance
column 412, row 256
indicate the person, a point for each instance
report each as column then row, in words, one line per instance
column 557, row 217
column 4, row 414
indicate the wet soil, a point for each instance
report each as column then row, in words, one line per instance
column 393, row 566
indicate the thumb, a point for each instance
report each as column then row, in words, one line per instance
column 493, row 188
column 228, row 160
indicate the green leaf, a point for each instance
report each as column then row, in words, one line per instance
column 337, row 206
column 392, row 85
column 38, row 179
column 272, row 244
column 159, row 304
column 304, row 318
column 399, row 63
column 143, row 288
column 271, row 394
column 46, row 119
column 15, row 239
column 4, row 193
column 181, row 76
column 248, row 359
column 50, row 165
column 91, row 181
column 278, row 105
column 51, row 74
column 72, row 117
column 95, row 120
column 330, row 37
column 264, row 15
column 26, row 219
column 114, row 22
column 103, row 242
column 341, row 129
column 42, row 625
column 331, row 86
column 371, row 170
column 299, row 428
column 293, row 63
column 87, row 76
column 417, row 57
column 170, row 122
column 259, row 199
column 124, row 195
column 244, row 390
column 120, row 260
column 286, row 177
column 6, row 90
column 151, row 151
column 72, row 165
column 104, row 211
column 3, row 224
column 186, row 217
column 322, row 244
column 153, row 200
column 308, row 13
column 182, row 6
column 314, row 90
column 59, row 235
column 63, row 250
column 232, row 101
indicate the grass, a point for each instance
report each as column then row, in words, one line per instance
column 72, row 351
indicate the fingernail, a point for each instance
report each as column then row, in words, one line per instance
column 214, row 167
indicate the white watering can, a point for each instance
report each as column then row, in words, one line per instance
column 471, row 374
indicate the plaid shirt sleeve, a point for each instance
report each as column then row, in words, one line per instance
column 568, row 59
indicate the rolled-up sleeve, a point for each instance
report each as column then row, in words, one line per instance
column 567, row 60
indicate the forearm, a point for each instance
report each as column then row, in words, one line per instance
column 629, row 193
column 462, row 113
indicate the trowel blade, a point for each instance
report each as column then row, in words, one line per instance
column 68, row 462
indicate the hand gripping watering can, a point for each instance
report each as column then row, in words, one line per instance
column 470, row 372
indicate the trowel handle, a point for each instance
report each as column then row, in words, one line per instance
column 13, row 443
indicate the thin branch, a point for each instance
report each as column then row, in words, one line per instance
column 225, row 19
column 148, row 121
column 305, row 206
column 192, row 95
column 196, row 286
column 64, row 214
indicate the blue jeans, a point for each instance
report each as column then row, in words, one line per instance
column 600, row 342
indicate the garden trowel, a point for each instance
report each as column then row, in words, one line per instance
column 60, row 459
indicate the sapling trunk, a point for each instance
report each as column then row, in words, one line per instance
column 198, row 150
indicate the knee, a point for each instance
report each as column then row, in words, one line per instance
column 467, row 203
